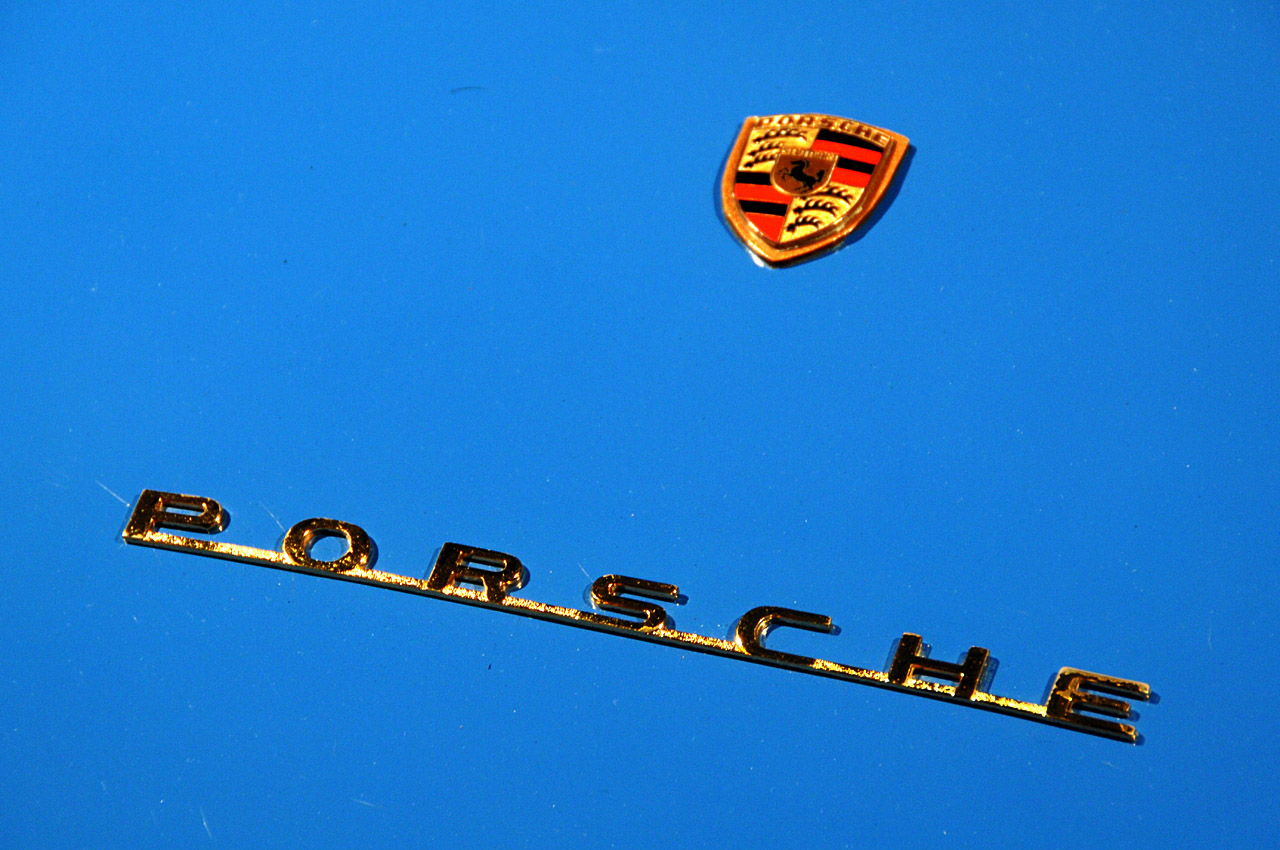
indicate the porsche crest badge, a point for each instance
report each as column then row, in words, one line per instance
column 796, row 185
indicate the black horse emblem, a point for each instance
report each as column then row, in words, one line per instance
column 801, row 172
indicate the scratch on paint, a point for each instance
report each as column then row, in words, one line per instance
column 273, row 516
column 112, row 492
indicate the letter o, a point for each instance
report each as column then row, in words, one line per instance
column 299, row 539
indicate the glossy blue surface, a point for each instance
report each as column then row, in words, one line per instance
column 457, row 274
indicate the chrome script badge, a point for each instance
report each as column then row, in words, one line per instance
column 796, row 185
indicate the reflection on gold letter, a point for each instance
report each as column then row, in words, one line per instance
column 151, row 514
column 908, row 663
column 1075, row 700
column 754, row 625
column 298, row 540
column 606, row 593
column 454, row 565
column 1071, row 692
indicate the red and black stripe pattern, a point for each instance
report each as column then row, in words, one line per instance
column 858, row 157
column 763, row 205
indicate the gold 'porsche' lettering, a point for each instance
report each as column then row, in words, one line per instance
column 756, row 623
column 1071, row 693
column 298, row 540
column 495, row 576
column 455, row 563
column 606, row 593
column 909, row 663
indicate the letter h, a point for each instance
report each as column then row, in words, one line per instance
column 909, row 663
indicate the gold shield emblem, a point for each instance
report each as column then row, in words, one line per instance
column 796, row 185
